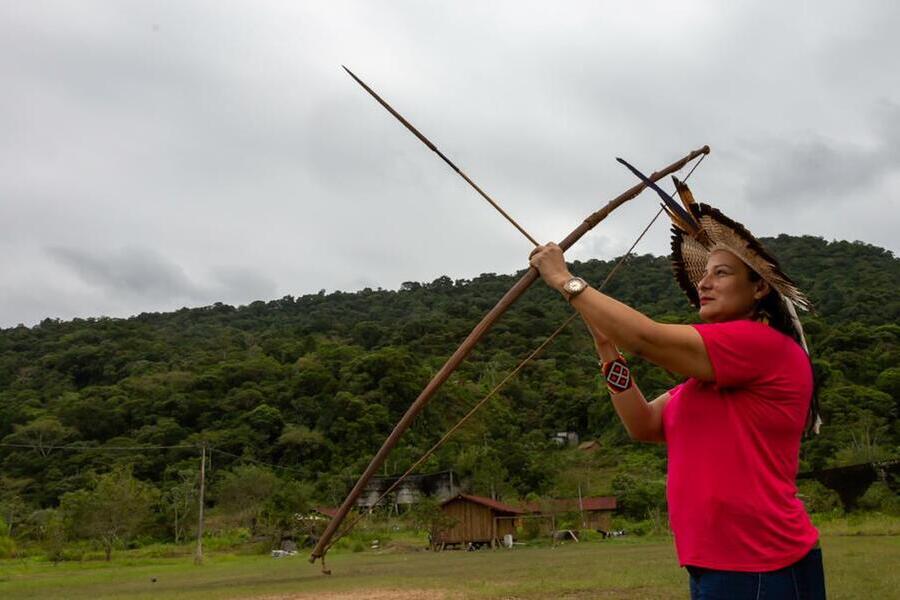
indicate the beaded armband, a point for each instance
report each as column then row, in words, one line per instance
column 618, row 375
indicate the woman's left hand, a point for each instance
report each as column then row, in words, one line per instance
column 551, row 264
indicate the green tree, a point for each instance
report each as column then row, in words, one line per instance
column 427, row 516
column 12, row 505
column 640, row 486
column 114, row 510
column 265, row 420
column 889, row 382
column 43, row 434
column 288, row 499
column 243, row 492
column 50, row 528
column 304, row 448
column 482, row 467
column 180, row 499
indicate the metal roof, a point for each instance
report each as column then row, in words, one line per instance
column 492, row 504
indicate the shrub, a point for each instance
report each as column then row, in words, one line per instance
column 882, row 498
column 638, row 495
column 817, row 498
column 7, row 547
column 531, row 529
column 227, row 539
column 589, row 535
column 70, row 554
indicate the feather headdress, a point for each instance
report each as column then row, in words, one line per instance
column 699, row 229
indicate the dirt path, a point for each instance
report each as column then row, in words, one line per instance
column 370, row 595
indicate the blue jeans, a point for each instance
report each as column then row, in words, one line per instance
column 803, row 580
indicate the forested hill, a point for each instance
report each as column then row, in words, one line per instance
column 315, row 383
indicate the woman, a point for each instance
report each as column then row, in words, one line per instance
column 733, row 428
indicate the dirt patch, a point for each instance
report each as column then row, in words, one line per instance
column 403, row 547
column 370, row 595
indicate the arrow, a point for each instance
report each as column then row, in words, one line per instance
column 434, row 149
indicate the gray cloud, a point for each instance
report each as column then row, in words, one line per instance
column 817, row 170
column 144, row 274
column 133, row 272
column 230, row 140
column 242, row 283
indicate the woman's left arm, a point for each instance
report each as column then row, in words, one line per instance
column 678, row 348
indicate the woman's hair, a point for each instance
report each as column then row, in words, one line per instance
column 772, row 310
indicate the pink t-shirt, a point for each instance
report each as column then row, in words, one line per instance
column 733, row 448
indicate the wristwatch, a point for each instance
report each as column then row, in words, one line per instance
column 573, row 287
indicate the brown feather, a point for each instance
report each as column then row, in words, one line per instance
column 687, row 198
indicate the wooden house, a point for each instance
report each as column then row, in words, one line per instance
column 476, row 520
column 596, row 511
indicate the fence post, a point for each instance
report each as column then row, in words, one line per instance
column 198, row 555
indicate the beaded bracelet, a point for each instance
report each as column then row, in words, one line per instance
column 618, row 375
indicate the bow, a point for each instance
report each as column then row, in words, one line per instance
column 519, row 288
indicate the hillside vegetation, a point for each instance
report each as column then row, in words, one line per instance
column 295, row 395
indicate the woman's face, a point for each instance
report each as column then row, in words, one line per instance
column 726, row 290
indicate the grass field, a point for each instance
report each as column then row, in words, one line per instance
column 856, row 567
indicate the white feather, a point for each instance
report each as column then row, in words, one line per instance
column 795, row 320
column 798, row 327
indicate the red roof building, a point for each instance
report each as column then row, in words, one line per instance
column 596, row 510
column 327, row 511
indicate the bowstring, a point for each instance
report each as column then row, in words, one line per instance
column 430, row 452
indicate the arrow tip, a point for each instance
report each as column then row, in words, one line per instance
column 355, row 78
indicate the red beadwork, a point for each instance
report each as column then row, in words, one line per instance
column 618, row 375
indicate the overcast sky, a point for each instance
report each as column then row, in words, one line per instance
column 156, row 155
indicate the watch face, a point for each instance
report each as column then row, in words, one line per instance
column 574, row 285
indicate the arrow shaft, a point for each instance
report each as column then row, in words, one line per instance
column 434, row 149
